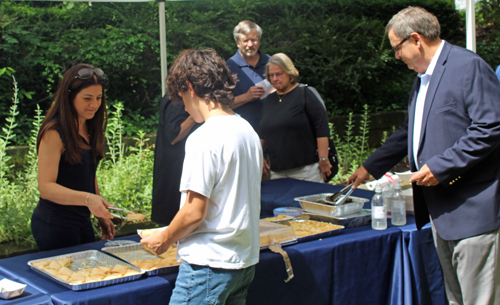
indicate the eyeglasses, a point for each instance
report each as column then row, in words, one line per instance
column 279, row 74
column 86, row 73
column 396, row 48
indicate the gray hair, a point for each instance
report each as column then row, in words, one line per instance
column 286, row 64
column 414, row 19
column 245, row 27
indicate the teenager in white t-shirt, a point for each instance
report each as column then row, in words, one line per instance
column 217, row 225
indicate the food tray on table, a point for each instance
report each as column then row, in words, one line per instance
column 312, row 203
column 80, row 262
column 305, row 229
column 282, row 233
column 349, row 221
column 136, row 255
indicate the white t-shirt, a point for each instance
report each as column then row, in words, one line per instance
column 223, row 162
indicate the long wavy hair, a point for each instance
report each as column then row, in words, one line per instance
column 62, row 116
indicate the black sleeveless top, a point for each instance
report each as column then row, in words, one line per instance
column 79, row 177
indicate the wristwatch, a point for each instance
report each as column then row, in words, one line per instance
column 323, row 159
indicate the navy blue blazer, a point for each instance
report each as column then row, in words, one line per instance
column 459, row 143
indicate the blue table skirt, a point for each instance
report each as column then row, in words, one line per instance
column 359, row 266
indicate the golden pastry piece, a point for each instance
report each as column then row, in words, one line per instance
column 63, row 277
column 66, row 271
column 311, row 227
column 89, row 275
column 279, row 217
column 135, row 216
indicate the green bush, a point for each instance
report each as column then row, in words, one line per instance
column 339, row 47
column 125, row 179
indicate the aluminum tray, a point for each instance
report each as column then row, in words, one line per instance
column 132, row 252
column 349, row 221
column 282, row 233
column 85, row 260
column 310, row 204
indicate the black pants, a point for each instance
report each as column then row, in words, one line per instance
column 49, row 236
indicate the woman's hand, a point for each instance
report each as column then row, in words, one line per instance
column 107, row 228
column 97, row 206
column 325, row 168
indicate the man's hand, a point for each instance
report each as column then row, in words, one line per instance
column 156, row 242
column 424, row 177
column 361, row 175
column 255, row 92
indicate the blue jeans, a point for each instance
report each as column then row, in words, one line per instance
column 198, row 285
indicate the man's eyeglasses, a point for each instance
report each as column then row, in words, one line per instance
column 86, row 73
column 396, row 48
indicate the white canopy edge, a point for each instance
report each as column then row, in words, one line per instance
column 470, row 24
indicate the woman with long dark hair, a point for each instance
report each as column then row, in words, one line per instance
column 70, row 145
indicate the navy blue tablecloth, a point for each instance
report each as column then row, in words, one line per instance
column 359, row 266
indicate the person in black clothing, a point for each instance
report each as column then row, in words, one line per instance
column 174, row 126
column 70, row 144
column 293, row 133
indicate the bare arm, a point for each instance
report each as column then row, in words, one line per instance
column 185, row 128
column 184, row 223
column 49, row 155
column 107, row 226
column 266, row 168
column 324, row 166
column 252, row 94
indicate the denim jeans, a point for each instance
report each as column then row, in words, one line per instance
column 198, row 285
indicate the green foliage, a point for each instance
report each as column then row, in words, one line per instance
column 488, row 38
column 353, row 149
column 124, row 179
column 17, row 194
column 339, row 47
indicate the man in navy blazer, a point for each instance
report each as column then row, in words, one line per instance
column 451, row 136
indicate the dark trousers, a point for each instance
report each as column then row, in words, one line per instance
column 49, row 236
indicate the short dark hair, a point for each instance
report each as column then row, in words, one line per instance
column 206, row 71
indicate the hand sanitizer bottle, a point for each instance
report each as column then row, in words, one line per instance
column 379, row 217
column 398, row 207
column 387, row 191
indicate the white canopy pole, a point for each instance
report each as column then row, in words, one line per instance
column 163, row 47
column 470, row 24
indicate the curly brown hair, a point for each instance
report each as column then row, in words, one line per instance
column 206, row 71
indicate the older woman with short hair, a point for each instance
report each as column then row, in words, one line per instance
column 294, row 127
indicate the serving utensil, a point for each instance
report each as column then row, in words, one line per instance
column 276, row 248
column 130, row 216
column 335, row 196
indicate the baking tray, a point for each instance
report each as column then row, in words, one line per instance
column 349, row 221
column 283, row 233
column 85, row 260
column 310, row 204
column 132, row 252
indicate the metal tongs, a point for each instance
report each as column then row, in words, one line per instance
column 276, row 248
column 124, row 210
column 337, row 198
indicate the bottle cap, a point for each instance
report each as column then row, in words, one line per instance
column 378, row 188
